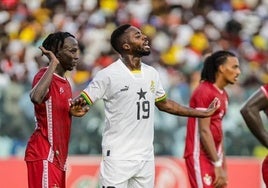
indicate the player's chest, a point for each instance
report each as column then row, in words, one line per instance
column 134, row 88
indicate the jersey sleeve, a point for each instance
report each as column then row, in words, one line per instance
column 160, row 92
column 96, row 88
column 201, row 99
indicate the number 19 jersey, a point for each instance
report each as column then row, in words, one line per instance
column 129, row 100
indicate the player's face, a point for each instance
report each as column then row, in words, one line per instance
column 230, row 70
column 138, row 43
column 69, row 54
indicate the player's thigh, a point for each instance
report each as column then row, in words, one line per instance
column 123, row 173
column 44, row 174
column 200, row 172
column 194, row 175
column 207, row 172
column 144, row 177
column 115, row 173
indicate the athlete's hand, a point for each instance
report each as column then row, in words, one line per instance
column 214, row 105
column 78, row 107
column 50, row 55
column 220, row 178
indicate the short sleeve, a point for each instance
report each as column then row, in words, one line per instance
column 96, row 88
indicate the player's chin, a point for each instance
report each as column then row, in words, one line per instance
column 146, row 52
column 71, row 68
column 233, row 81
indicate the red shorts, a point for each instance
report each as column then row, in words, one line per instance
column 265, row 170
column 44, row 174
column 200, row 172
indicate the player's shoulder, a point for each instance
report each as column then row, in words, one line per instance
column 113, row 66
column 204, row 85
column 203, row 89
column 41, row 72
column 107, row 70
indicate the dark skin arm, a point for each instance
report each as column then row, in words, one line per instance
column 40, row 90
column 174, row 108
column 207, row 141
column 250, row 111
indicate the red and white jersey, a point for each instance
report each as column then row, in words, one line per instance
column 201, row 98
column 50, row 139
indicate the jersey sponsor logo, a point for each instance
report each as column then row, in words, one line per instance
column 125, row 88
column 207, row 179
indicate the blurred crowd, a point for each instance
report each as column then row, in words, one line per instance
column 181, row 33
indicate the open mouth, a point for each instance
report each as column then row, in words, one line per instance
column 146, row 45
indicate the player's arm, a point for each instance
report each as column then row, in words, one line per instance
column 40, row 90
column 208, row 144
column 250, row 111
column 172, row 107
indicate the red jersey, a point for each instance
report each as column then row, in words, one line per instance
column 200, row 99
column 50, row 140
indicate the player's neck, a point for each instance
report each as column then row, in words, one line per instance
column 220, row 85
column 132, row 63
column 60, row 71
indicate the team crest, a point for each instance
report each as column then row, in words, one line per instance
column 152, row 87
column 207, row 179
column 61, row 90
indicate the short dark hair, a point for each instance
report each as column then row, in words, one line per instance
column 212, row 63
column 116, row 37
column 54, row 41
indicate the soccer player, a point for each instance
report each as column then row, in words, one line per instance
column 130, row 90
column 250, row 111
column 47, row 149
column 204, row 150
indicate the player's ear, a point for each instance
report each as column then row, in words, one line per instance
column 221, row 68
column 126, row 46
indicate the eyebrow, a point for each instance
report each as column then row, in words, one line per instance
column 138, row 33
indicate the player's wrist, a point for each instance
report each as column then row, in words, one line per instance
column 217, row 163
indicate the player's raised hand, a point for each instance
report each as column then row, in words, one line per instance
column 50, row 55
column 78, row 107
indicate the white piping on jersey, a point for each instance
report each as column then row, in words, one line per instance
column 45, row 174
column 264, row 91
column 220, row 90
column 196, row 156
column 196, row 153
column 50, row 128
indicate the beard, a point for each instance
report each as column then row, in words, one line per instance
column 142, row 52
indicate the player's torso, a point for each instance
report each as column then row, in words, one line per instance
column 129, row 109
column 201, row 98
column 53, row 124
column 131, row 94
